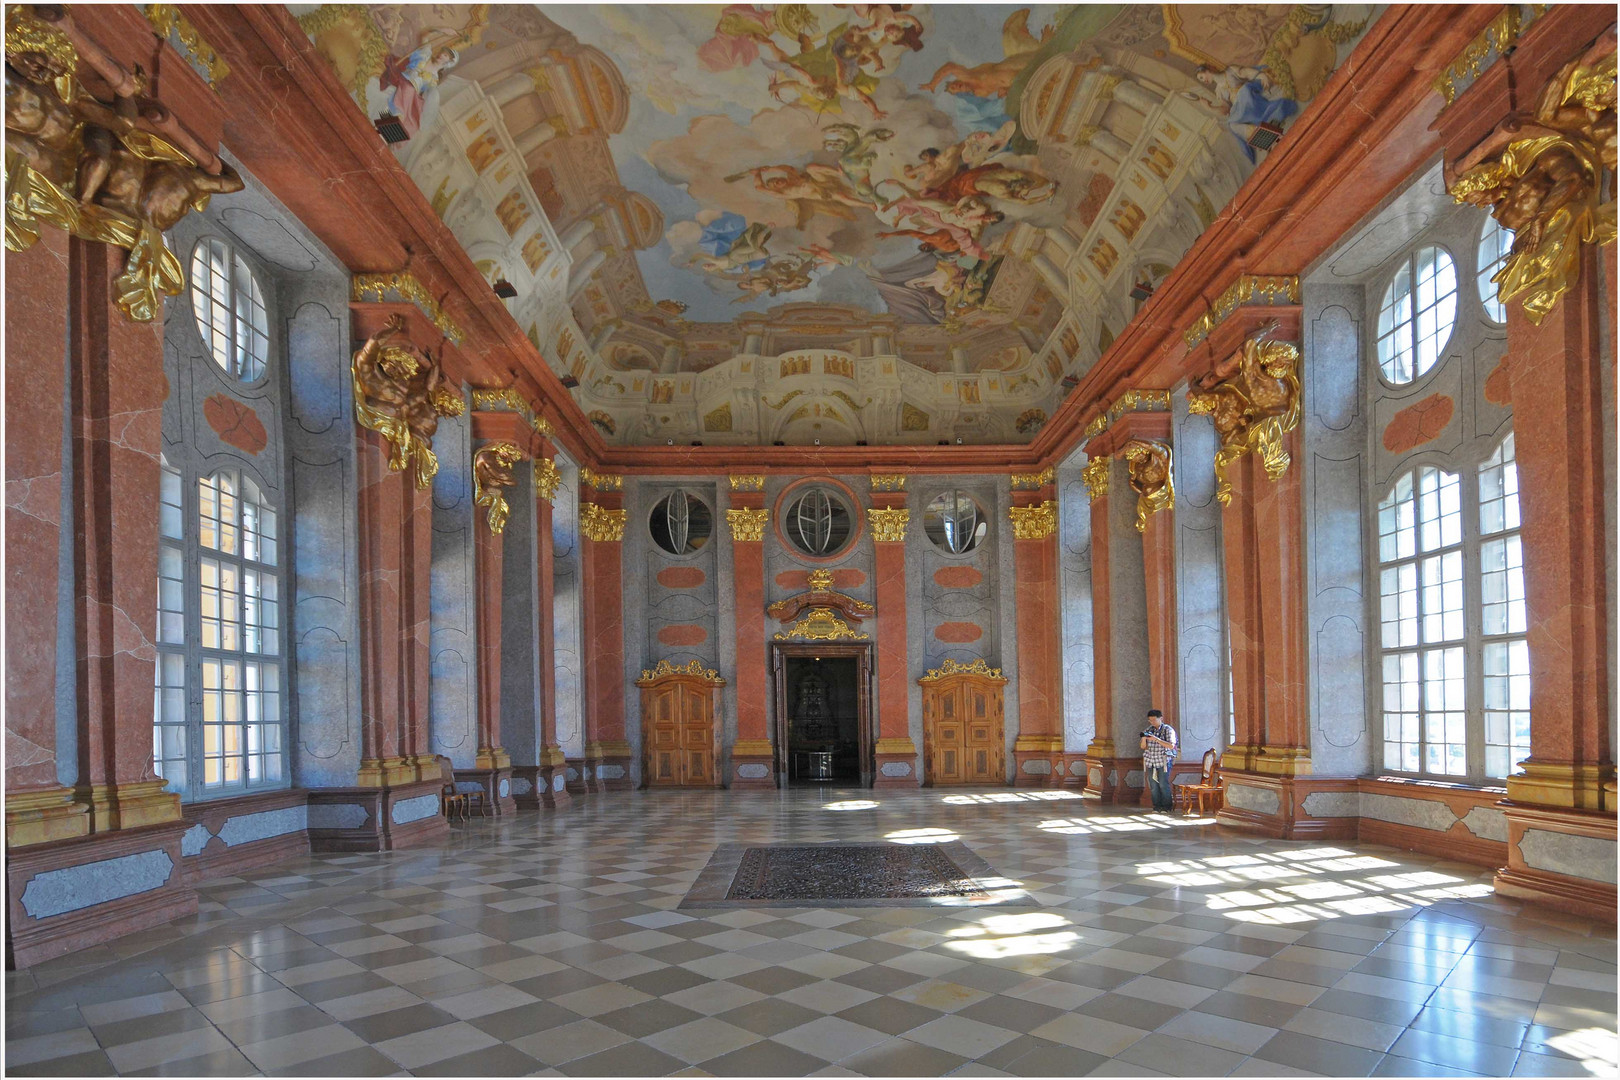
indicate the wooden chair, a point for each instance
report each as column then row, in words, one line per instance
column 1208, row 789
column 451, row 801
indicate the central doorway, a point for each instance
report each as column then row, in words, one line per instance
column 822, row 709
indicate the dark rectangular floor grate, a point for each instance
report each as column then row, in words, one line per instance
column 849, row 875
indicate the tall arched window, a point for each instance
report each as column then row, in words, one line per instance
column 1455, row 662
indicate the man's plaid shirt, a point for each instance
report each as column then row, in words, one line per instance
column 1155, row 756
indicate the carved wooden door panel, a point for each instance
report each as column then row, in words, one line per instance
column 697, row 737
column 962, row 725
column 662, row 730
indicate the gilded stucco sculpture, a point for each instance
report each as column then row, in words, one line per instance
column 399, row 393
column 91, row 168
column 1150, row 478
column 1254, row 398
column 492, row 474
column 1542, row 175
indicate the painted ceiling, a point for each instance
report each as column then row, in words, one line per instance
column 964, row 194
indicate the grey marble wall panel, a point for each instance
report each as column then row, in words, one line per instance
column 1334, row 439
column 520, row 622
column 567, row 667
column 453, row 640
column 947, row 611
column 72, row 888
column 1201, row 615
column 1127, row 630
column 1074, row 577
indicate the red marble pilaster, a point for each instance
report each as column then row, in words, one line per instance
column 1243, row 624
column 38, row 808
column 1556, row 376
column 1038, row 749
column 384, row 520
column 1278, row 509
column 1159, row 573
column 492, row 763
column 753, row 762
column 118, row 390
column 550, row 789
column 601, row 566
column 895, row 747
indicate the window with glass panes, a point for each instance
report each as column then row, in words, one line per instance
column 220, row 634
column 1455, row 662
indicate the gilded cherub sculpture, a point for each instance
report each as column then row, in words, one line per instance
column 400, row 394
column 492, row 472
column 1254, row 398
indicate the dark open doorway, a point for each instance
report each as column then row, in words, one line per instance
column 822, row 715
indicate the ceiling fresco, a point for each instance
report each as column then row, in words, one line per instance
column 969, row 194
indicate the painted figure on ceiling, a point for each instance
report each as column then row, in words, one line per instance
column 1247, row 96
column 411, row 81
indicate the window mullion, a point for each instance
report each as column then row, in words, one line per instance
column 1473, row 623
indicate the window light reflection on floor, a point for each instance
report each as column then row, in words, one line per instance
column 1340, row 884
column 1596, row 1049
column 1008, row 797
column 1124, row 823
column 922, row 836
column 999, row 936
column 852, row 804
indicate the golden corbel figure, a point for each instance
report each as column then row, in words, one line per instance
column 1150, row 478
column 91, row 168
column 492, row 471
column 1542, row 176
column 400, row 395
column 1254, row 397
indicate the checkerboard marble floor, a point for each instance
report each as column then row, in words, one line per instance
column 548, row 944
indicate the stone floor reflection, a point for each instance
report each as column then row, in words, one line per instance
column 549, row 944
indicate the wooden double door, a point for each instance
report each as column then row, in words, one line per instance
column 679, row 733
column 963, row 740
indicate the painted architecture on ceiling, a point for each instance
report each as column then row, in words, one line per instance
column 829, row 223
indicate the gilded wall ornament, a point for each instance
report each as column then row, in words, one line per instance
column 821, row 581
column 1034, row 522
column 167, row 20
column 1499, row 35
column 1542, row 175
column 888, row 525
column 1254, row 398
column 748, row 483
column 1150, row 478
column 1129, row 401
column 492, row 472
column 376, row 288
column 693, row 669
column 821, row 624
column 1032, row 481
column 888, row 482
column 546, row 478
column 954, row 667
column 399, row 393
column 1095, row 474
column 601, row 481
column 747, row 524
column 601, row 525
column 90, row 168
column 498, row 399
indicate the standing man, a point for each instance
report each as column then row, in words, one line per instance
column 1158, row 752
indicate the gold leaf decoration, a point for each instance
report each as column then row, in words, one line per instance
column 1150, row 478
column 600, row 524
column 693, row 669
column 821, row 624
column 747, row 524
column 888, row 525
column 1034, row 522
column 955, row 667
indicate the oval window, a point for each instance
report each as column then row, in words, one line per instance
column 1416, row 317
column 229, row 307
column 681, row 523
column 818, row 522
column 954, row 523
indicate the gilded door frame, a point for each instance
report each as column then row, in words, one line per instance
column 781, row 651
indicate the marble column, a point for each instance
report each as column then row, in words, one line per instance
column 1101, row 778
column 752, row 759
column 1243, row 626
column 550, row 782
column 1278, row 509
column 1556, row 377
column 493, row 763
column 895, row 752
column 39, row 806
column 1038, row 749
column 117, row 393
column 602, row 519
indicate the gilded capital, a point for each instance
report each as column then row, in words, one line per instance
column 888, row 525
column 1541, row 174
column 748, row 483
column 492, row 474
column 1032, row 481
column 1150, row 478
column 1034, row 522
column 1095, row 474
column 747, row 524
column 600, row 524
column 1254, row 398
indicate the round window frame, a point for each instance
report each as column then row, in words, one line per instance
column 1481, row 282
column 791, row 494
column 693, row 497
column 1409, row 262
column 258, row 278
column 984, row 519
